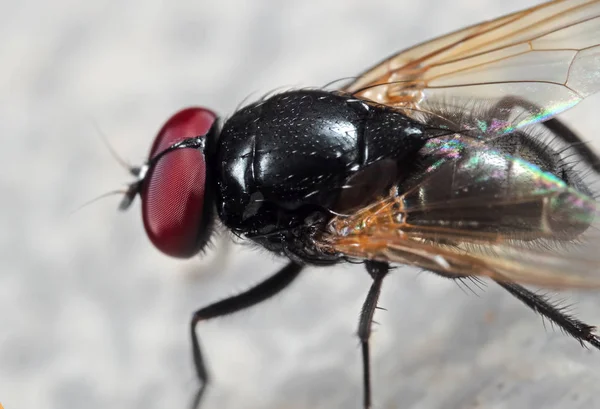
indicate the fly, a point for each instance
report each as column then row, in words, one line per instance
column 447, row 156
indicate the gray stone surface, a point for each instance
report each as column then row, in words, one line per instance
column 91, row 316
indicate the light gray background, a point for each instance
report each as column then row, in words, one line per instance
column 92, row 316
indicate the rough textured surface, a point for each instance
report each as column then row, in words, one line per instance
column 91, row 316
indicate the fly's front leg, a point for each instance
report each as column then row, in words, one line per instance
column 253, row 296
column 377, row 270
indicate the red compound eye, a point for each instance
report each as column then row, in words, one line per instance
column 173, row 190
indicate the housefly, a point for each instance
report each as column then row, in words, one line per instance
column 447, row 156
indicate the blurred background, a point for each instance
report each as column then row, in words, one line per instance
column 91, row 315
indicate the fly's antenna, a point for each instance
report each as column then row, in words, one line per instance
column 129, row 192
column 97, row 198
column 130, row 168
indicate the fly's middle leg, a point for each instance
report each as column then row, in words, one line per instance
column 377, row 270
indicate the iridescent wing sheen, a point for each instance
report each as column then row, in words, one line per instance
column 474, row 210
column 548, row 55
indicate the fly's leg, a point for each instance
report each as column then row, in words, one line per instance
column 377, row 270
column 554, row 125
column 253, row 296
column 580, row 331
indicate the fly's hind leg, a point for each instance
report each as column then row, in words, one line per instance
column 581, row 331
column 377, row 270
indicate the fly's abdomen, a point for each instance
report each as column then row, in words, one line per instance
column 492, row 194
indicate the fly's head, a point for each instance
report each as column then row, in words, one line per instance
column 174, row 184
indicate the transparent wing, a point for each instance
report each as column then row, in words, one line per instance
column 548, row 55
column 475, row 210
